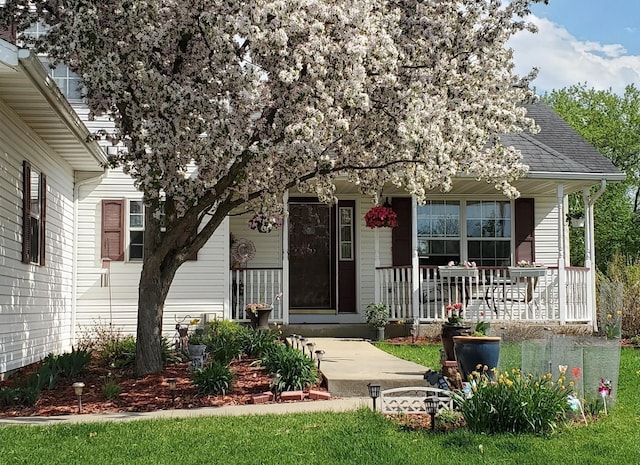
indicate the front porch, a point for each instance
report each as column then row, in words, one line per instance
column 493, row 294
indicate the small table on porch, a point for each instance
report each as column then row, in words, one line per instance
column 458, row 279
column 526, row 280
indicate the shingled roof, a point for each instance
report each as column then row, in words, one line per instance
column 558, row 148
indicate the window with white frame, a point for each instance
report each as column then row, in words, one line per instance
column 439, row 232
column 489, row 232
column 136, row 230
column 486, row 238
column 67, row 81
column 346, row 233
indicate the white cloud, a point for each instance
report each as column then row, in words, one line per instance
column 564, row 60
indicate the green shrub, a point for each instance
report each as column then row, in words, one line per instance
column 297, row 371
column 119, row 352
column 223, row 340
column 510, row 402
column 19, row 396
column 255, row 342
column 111, row 390
column 68, row 364
column 169, row 354
column 628, row 273
column 45, row 378
column 215, row 378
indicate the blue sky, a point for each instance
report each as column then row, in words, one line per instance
column 592, row 41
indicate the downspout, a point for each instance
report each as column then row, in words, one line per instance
column 74, row 272
column 590, row 247
column 415, row 262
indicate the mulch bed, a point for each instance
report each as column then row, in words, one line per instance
column 146, row 394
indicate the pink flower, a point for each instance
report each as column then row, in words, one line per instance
column 576, row 372
column 381, row 217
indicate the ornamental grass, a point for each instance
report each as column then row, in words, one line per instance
column 513, row 402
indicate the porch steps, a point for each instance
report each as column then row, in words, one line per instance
column 343, row 330
column 349, row 364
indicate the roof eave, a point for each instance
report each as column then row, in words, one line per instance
column 620, row 176
column 45, row 85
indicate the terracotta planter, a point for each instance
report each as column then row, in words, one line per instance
column 472, row 351
column 259, row 318
column 448, row 333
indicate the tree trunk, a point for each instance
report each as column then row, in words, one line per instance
column 158, row 271
column 154, row 286
column 164, row 251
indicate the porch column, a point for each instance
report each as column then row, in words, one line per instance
column 590, row 248
column 588, row 238
column 285, row 261
column 562, row 242
column 415, row 261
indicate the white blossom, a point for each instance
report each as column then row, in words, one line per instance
column 264, row 95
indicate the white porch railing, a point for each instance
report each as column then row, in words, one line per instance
column 492, row 295
column 254, row 285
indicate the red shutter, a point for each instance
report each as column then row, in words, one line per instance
column 401, row 234
column 525, row 230
column 8, row 33
column 26, row 212
column 112, row 237
column 43, row 216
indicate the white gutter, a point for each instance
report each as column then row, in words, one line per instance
column 26, row 61
column 576, row 176
column 43, row 82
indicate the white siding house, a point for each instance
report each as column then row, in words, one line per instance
column 107, row 290
column 43, row 149
column 385, row 265
column 71, row 235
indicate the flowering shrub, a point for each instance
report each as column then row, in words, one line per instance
column 254, row 307
column 264, row 223
column 376, row 315
column 381, row 217
column 454, row 314
column 613, row 325
column 511, row 402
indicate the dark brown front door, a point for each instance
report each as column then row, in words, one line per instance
column 312, row 266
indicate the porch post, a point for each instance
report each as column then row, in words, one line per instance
column 285, row 261
column 588, row 239
column 590, row 247
column 562, row 243
column 415, row 261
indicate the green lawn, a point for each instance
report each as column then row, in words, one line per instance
column 342, row 438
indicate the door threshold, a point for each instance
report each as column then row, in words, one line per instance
column 312, row 311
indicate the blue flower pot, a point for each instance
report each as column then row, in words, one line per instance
column 472, row 351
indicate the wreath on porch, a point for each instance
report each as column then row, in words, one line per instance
column 381, row 216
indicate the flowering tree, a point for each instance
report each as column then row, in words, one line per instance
column 227, row 105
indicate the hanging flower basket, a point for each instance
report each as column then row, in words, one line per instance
column 265, row 223
column 381, row 217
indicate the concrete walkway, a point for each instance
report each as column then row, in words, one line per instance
column 348, row 366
